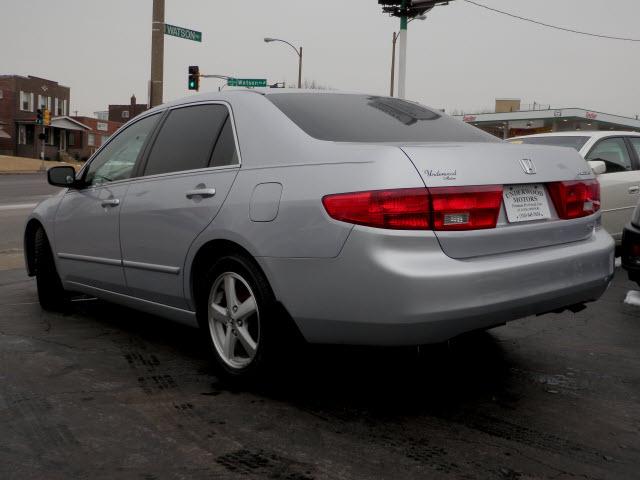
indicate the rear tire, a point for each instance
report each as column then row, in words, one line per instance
column 51, row 294
column 237, row 313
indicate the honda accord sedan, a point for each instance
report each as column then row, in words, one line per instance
column 355, row 219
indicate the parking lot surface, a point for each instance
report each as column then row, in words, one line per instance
column 107, row 392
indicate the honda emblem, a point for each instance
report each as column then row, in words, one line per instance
column 528, row 166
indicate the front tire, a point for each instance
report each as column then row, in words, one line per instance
column 236, row 313
column 51, row 294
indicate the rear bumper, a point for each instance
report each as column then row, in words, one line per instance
column 629, row 251
column 399, row 288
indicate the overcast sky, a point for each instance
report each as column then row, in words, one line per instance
column 461, row 57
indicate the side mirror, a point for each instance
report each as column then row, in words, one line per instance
column 598, row 166
column 64, row 176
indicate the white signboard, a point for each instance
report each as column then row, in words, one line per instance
column 525, row 203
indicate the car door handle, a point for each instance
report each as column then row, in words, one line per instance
column 112, row 202
column 201, row 192
column 635, row 189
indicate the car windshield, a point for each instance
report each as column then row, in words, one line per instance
column 573, row 141
column 367, row 118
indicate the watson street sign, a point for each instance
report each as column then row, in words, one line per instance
column 246, row 82
column 182, row 33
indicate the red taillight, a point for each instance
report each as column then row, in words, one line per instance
column 400, row 209
column 444, row 208
column 575, row 199
column 465, row 208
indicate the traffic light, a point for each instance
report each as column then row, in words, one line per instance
column 39, row 117
column 194, row 78
column 47, row 117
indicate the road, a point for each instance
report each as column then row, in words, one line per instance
column 18, row 195
column 105, row 392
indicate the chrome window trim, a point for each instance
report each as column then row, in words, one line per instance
column 167, row 174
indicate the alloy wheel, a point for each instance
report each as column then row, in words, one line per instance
column 234, row 320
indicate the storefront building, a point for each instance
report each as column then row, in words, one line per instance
column 517, row 123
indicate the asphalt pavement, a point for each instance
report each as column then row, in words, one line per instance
column 19, row 194
column 106, row 392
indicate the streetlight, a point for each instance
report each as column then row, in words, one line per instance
column 393, row 52
column 298, row 52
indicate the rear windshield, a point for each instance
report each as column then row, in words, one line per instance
column 576, row 142
column 366, row 118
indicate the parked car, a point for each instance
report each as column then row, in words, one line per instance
column 615, row 157
column 631, row 247
column 363, row 219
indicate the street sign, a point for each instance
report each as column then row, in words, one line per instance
column 182, row 33
column 246, row 82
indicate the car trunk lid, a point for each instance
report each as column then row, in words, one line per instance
column 510, row 166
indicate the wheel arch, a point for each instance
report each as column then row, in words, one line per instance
column 206, row 255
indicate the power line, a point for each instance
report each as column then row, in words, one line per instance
column 556, row 27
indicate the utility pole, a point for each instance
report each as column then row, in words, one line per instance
column 157, row 54
column 402, row 64
column 406, row 10
column 300, row 69
column 393, row 62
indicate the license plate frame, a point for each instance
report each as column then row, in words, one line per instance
column 527, row 202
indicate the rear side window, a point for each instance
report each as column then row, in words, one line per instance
column 613, row 152
column 576, row 141
column 225, row 151
column 635, row 142
column 366, row 118
column 186, row 139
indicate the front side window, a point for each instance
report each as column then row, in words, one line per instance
column 366, row 118
column 613, row 152
column 187, row 138
column 117, row 160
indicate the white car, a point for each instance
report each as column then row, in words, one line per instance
column 615, row 157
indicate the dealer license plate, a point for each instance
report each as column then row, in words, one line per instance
column 525, row 203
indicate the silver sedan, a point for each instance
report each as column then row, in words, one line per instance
column 264, row 215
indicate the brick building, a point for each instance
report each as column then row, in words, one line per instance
column 20, row 97
column 83, row 143
column 124, row 113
